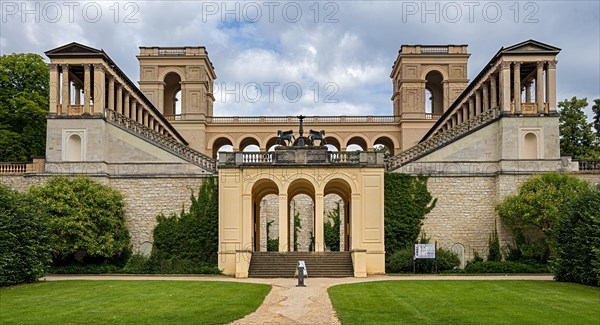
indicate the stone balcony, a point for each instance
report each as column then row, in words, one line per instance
column 294, row 156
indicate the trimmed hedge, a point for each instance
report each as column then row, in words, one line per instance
column 505, row 267
column 139, row 264
column 402, row 262
column 24, row 240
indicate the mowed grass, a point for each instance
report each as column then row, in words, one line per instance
column 129, row 302
column 466, row 302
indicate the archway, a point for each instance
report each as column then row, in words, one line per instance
column 249, row 144
column 333, row 142
column 357, row 143
column 340, row 188
column 433, row 85
column 172, row 89
column 301, row 216
column 265, row 216
column 386, row 142
column 221, row 144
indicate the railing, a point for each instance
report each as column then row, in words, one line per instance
column 15, row 168
column 294, row 119
column 171, row 52
column 441, row 139
column 257, row 157
column 589, row 165
column 162, row 141
column 302, row 156
column 434, row 49
column 344, row 157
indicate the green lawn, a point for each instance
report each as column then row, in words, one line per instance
column 466, row 302
column 129, row 302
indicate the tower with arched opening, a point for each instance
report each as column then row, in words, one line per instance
column 426, row 81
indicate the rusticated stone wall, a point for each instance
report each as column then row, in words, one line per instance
column 464, row 213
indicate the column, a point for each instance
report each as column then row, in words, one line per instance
column 145, row 118
column 446, row 94
column 140, row 114
column 465, row 112
column 54, row 89
column 133, row 109
column 539, row 87
column 86, row 89
column 66, row 89
column 517, row 87
column 284, row 206
column 477, row 102
column 119, row 99
column 126, row 105
column 111, row 93
column 319, row 236
column 551, row 86
column 528, row 92
column 459, row 116
column 505, row 86
column 493, row 92
column 471, row 108
column 77, row 94
column 486, row 97
column 99, row 89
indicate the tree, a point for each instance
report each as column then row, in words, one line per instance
column 576, row 135
column 194, row 235
column 577, row 241
column 331, row 229
column 537, row 205
column 23, row 239
column 85, row 218
column 596, row 110
column 24, row 82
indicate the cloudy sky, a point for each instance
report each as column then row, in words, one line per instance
column 311, row 57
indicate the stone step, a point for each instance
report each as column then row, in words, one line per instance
column 318, row 264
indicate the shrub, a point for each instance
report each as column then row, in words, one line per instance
column 494, row 253
column 81, row 268
column 86, row 219
column 504, row 267
column 407, row 201
column 402, row 262
column 24, row 242
column 538, row 205
column 152, row 265
column 577, row 240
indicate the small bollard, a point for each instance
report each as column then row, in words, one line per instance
column 300, row 276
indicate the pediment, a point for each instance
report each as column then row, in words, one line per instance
column 74, row 49
column 531, row 46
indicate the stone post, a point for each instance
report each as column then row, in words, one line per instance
column 505, row 86
column 493, row 92
column 87, row 94
column 539, row 87
column 551, row 86
column 486, row 97
column 283, row 222
column 66, row 89
column 111, row 93
column 319, row 235
column 119, row 99
column 54, row 89
column 517, row 87
column 99, row 89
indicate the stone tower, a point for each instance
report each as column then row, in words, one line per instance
column 166, row 71
column 427, row 79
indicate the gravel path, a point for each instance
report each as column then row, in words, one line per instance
column 288, row 304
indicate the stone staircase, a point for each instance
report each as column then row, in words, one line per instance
column 318, row 264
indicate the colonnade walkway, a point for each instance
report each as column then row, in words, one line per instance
column 288, row 304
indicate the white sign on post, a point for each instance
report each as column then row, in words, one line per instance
column 424, row 251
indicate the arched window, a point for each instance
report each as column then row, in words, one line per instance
column 172, row 94
column 74, row 148
column 434, row 92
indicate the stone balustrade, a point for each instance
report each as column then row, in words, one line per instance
column 21, row 168
column 163, row 141
column 294, row 119
column 589, row 165
column 301, row 155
